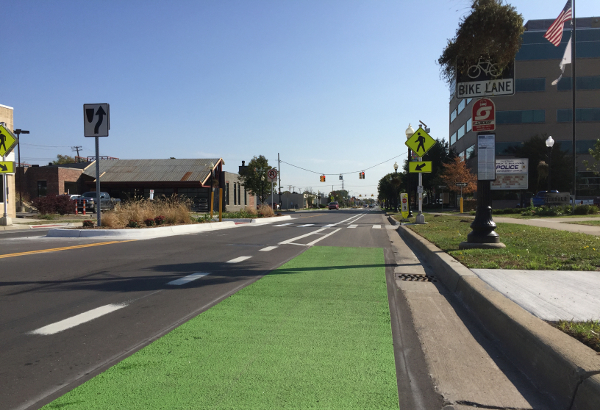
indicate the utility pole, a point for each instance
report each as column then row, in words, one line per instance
column 279, row 176
column 76, row 148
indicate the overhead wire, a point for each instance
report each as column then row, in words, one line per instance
column 343, row 173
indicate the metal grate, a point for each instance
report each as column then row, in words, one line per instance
column 409, row 277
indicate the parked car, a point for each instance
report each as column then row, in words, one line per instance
column 334, row 205
column 106, row 202
column 540, row 198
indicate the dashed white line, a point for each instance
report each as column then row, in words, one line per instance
column 240, row 259
column 323, row 237
column 268, row 248
column 352, row 226
column 187, row 279
column 78, row 319
column 289, row 223
column 305, row 225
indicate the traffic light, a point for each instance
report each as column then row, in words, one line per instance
column 322, row 178
column 361, row 175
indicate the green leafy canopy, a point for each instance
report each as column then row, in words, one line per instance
column 492, row 31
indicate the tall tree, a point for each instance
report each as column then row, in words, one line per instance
column 389, row 188
column 457, row 171
column 63, row 159
column 491, row 31
column 255, row 178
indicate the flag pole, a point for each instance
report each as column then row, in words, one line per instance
column 574, row 86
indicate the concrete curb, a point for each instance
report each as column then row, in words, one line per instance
column 554, row 361
column 145, row 233
column 270, row 220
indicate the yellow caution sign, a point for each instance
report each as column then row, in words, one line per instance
column 7, row 167
column 420, row 142
column 420, row 166
column 7, row 141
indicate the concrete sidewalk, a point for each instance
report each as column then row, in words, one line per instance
column 510, row 305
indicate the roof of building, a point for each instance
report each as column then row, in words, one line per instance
column 543, row 25
column 153, row 170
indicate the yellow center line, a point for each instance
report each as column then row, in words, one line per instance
column 87, row 245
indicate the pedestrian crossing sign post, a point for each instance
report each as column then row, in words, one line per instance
column 7, row 167
column 420, row 142
column 404, row 205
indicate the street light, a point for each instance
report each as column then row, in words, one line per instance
column 409, row 133
column 395, row 167
column 549, row 144
column 19, row 131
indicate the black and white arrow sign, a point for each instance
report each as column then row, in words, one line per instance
column 96, row 120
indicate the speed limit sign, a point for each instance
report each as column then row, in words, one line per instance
column 272, row 174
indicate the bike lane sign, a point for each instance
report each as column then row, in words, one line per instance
column 484, row 79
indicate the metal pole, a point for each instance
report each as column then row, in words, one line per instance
column 574, row 86
column 220, row 204
column 98, row 207
column 272, row 194
column 408, row 186
column 279, row 176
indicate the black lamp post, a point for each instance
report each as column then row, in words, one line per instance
column 549, row 144
column 396, row 189
column 19, row 131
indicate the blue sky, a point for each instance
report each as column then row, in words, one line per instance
column 329, row 85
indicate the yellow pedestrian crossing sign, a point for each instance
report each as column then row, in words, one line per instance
column 7, row 141
column 420, row 142
column 420, row 166
column 7, row 167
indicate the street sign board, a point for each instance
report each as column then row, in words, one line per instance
column 486, row 157
column 272, row 174
column 484, row 115
column 96, row 120
column 511, row 173
column 7, row 141
column 404, row 205
column 420, row 166
column 484, row 80
column 461, row 184
column 7, row 167
column 420, row 142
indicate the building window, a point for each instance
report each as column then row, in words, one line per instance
column 461, row 105
column 469, row 124
column 452, row 139
column 239, row 196
column 530, row 84
column 583, row 115
column 453, row 115
column 42, row 188
column 462, row 155
column 583, row 83
column 245, row 196
column 461, row 132
column 234, row 194
column 227, row 193
column 470, row 151
column 521, row 117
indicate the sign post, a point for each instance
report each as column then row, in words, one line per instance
column 96, row 125
column 7, row 142
column 461, row 185
column 404, row 204
column 484, row 115
column 420, row 142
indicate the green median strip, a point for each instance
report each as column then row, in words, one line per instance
column 315, row 333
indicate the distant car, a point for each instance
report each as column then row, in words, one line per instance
column 74, row 197
column 540, row 198
column 334, row 205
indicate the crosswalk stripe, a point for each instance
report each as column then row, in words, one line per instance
column 305, row 225
column 187, row 279
column 268, row 248
column 352, row 226
column 240, row 259
column 376, row 226
column 289, row 223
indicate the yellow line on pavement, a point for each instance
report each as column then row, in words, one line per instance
column 66, row 248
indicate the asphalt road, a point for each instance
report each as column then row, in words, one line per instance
column 72, row 307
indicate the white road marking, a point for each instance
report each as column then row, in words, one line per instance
column 289, row 223
column 78, row 319
column 303, row 226
column 268, row 248
column 323, row 237
column 187, row 279
column 376, row 226
column 328, row 225
column 240, row 259
column 301, row 236
column 352, row 226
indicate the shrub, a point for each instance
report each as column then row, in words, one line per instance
column 54, row 204
column 204, row 218
column 159, row 220
column 250, row 210
column 133, row 224
column 265, row 211
column 149, row 222
column 585, row 209
column 111, row 220
column 88, row 223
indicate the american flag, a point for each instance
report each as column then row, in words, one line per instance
column 555, row 32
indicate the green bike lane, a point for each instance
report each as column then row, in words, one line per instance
column 314, row 333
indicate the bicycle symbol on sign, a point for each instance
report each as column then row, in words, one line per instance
column 485, row 66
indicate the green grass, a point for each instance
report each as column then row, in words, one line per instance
column 315, row 333
column 527, row 247
column 591, row 223
column 586, row 332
